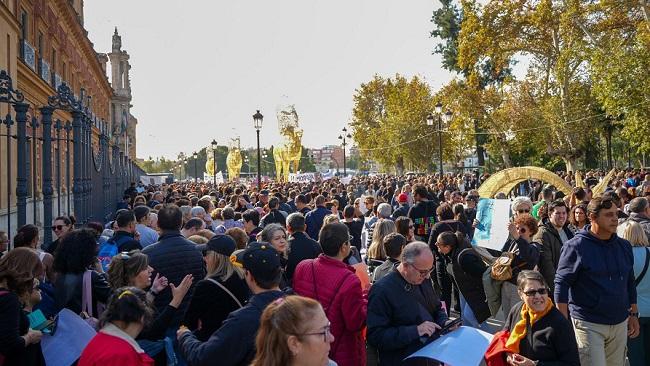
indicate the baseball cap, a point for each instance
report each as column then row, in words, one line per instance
column 261, row 259
column 403, row 197
column 222, row 244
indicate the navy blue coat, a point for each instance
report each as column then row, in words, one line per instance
column 234, row 342
column 314, row 220
column 173, row 256
column 395, row 313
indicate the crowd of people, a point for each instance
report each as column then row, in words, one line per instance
column 326, row 273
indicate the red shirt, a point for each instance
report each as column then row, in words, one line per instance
column 110, row 350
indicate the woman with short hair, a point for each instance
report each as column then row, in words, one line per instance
column 293, row 331
column 538, row 332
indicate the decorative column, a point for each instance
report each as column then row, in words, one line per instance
column 77, row 188
column 21, row 158
column 48, row 191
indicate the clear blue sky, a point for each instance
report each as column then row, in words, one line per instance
column 200, row 69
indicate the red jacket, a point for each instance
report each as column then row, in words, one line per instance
column 112, row 347
column 338, row 289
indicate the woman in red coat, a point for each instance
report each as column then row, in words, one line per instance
column 123, row 320
column 336, row 286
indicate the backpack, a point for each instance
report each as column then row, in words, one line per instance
column 109, row 249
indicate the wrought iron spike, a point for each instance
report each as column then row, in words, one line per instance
column 7, row 92
column 8, row 120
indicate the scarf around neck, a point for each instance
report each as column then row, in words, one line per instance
column 518, row 332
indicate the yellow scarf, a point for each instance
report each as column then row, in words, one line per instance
column 518, row 332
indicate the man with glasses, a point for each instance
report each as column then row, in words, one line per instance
column 403, row 308
column 553, row 233
column 328, row 280
column 595, row 285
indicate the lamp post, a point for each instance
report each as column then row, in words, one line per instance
column 343, row 137
column 446, row 117
column 214, row 162
column 196, row 169
column 257, row 122
column 264, row 156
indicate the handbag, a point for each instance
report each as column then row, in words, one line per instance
column 502, row 267
column 87, row 301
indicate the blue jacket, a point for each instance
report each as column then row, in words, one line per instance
column 314, row 220
column 234, row 342
column 173, row 256
column 596, row 278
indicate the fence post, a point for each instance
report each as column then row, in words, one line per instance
column 46, row 122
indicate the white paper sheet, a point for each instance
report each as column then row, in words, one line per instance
column 464, row 346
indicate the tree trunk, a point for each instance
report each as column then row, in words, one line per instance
column 505, row 155
column 571, row 164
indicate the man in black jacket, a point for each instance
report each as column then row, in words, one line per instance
column 173, row 256
column 275, row 216
column 403, row 308
column 124, row 236
column 423, row 213
column 234, row 342
column 301, row 246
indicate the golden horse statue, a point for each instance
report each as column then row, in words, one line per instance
column 288, row 153
column 234, row 160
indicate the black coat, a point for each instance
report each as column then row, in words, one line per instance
column 274, row 217
column 210, row 304
column 126, row 241
column 550, row 246
column 466, row 269
column 13, row 325
column 173, row 256
column 234, row 342
column 355, row 227
column 395, row 310
column 68, row 290
column 551, row 340
column 301, row 247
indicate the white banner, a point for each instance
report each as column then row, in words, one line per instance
column 492, row 229
column 208, row 178
column 302, row 177
column 346, row 180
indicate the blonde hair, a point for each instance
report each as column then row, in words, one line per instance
column 222, row 267
column 376, row 249
column 198, row 239
column 330, row 219
column 633, row 232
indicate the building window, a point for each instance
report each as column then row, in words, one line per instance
column 23, row 25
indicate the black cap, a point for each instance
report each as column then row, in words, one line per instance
column 261, row 259
column 222, row 244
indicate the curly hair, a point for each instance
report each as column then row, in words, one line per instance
column 76, row 252
column 126, row 266
column 18, row 268
column 129, row 305
column 281, row 319
column 528, row 221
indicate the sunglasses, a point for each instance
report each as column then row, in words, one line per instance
column 411, row 227
column 541, row 291
column 58, row 227
column 523, row 211
column 522, row 230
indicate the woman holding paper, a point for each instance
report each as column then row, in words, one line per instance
column 538, row 332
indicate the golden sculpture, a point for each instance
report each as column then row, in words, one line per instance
column 505, row 180
column 288, row 153
column 210, row 166
column 234, row 159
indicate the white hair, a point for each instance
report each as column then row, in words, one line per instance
column 197, row 211
column 384, row 210
column 519, row 201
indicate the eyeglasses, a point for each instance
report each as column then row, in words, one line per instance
column 325, row 333
column 58, row 227
column 542, row 291
column 423, row 272
column 523, row 211
column 411, row 227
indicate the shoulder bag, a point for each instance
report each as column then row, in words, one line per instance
column 226, row 290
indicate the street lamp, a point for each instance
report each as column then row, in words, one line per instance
column 343, row 138
column 446, row 117
column 257, row 122
column 214, row 162
column 196, row 169
column 185, row 168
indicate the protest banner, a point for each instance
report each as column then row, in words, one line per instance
column 492, row 228
column 302, row 177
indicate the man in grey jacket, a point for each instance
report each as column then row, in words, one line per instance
column 553, row 233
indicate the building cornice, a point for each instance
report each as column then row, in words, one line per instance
column 7, row 16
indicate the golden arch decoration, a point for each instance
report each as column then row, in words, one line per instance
column 505, row 180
